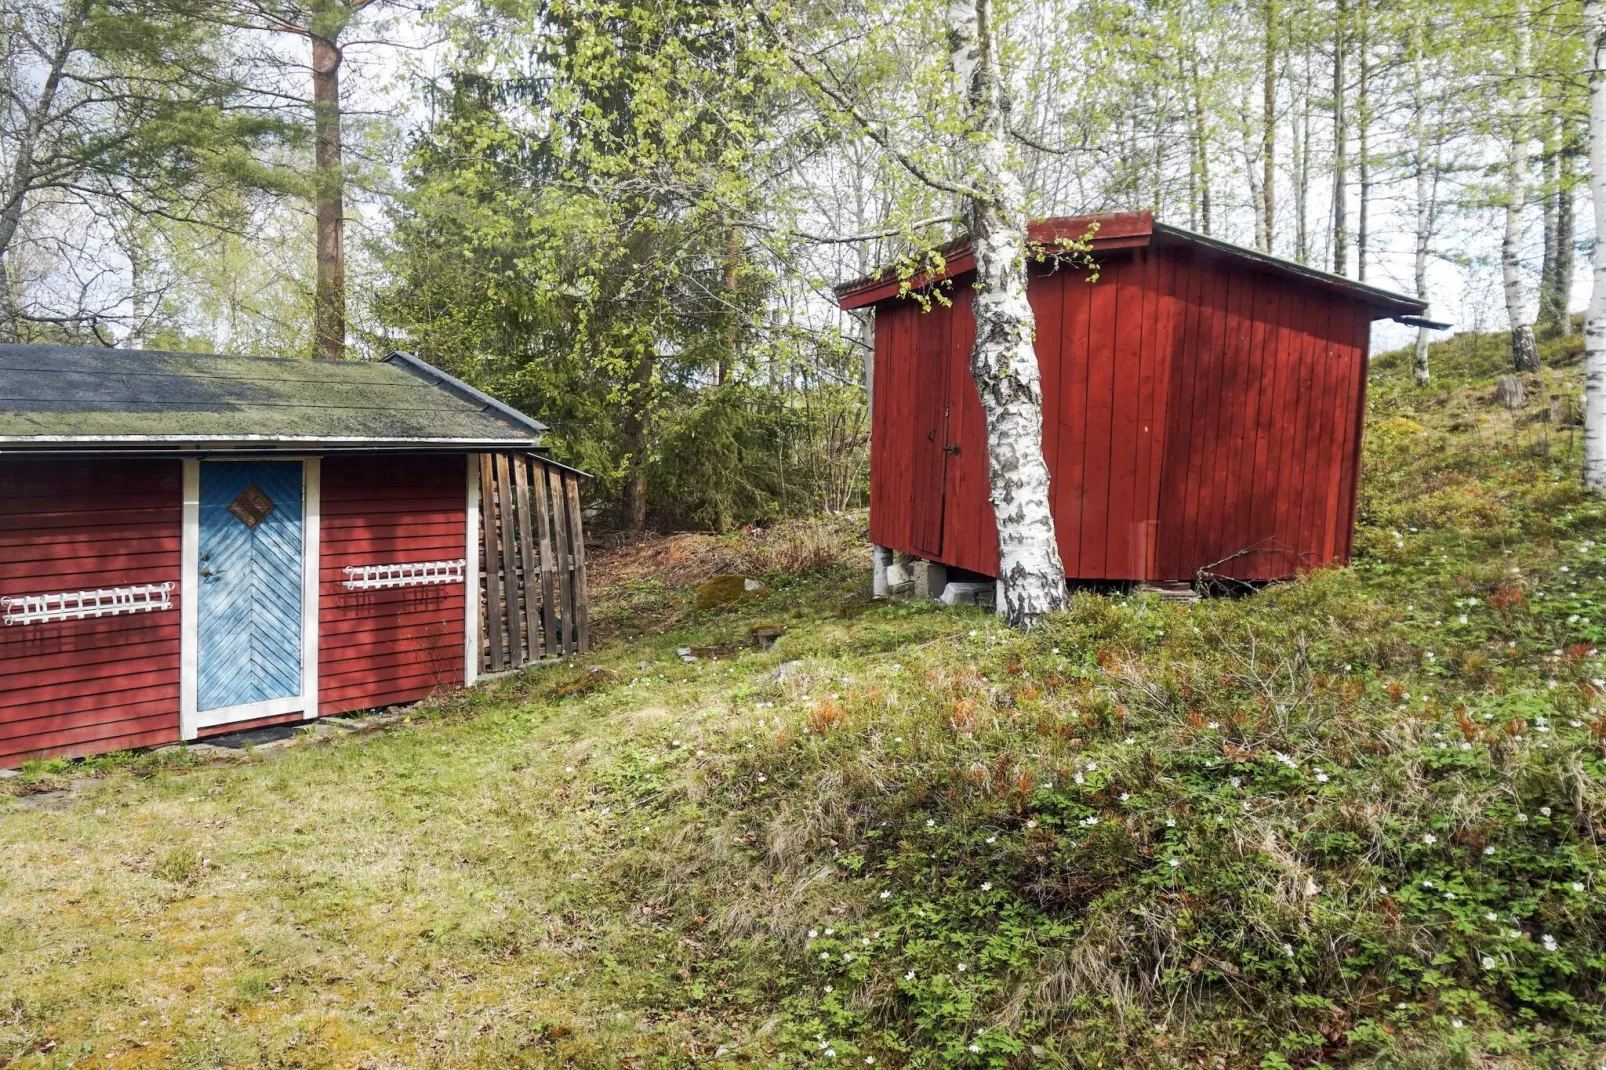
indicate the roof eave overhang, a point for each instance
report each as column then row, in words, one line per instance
column 478, row 398
column 1120, row 230
column 199, row 444
column 1386, row 304
column 1125, row 231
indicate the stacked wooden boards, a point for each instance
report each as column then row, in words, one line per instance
column 532, row 571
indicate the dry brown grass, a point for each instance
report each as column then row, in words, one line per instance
column 686, row 559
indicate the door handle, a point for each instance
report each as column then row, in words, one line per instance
column 211, row 572
column 951, row 450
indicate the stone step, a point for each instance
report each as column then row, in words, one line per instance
column 1176, row 591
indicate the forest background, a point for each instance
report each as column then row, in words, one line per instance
column 625, row 216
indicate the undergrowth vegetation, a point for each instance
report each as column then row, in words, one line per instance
column 1351, row 820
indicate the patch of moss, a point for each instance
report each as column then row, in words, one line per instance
column 727, row 590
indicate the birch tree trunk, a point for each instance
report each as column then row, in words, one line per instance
column 1524, row 352
column 1363, row 129
column 1301, row 168
column 1201, row 140
column 1595, row 323
column 1340, row 144
column 1424, row 207
column 1548, row 201
column 1003, row 361
column 1268, row 134
column 1565, row 226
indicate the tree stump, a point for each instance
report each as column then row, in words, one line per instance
column 1509, row 393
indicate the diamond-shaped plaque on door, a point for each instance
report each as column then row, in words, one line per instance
column 251, row 506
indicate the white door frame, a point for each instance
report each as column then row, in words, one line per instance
column 191, row 720
column 471, row 575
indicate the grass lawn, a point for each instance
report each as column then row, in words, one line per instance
column 1350, row 820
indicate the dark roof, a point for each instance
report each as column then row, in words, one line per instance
column 65, row 397
column 1126, row 230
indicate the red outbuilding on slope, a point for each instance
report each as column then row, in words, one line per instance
column 1202, row 407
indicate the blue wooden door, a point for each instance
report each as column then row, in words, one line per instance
column 249, row 605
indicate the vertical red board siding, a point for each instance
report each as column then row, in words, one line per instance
column 1260, row 383
column 377, row 648
column 71, row 688
column 1067, row 412
column 1250, row 532
column 1047, row 295
column 1181, row 390
column 1135, row 510
column 1206, row 383
column 891, row 497
column 1266, row 562
column 1225, row 448
column 1161, row 347
column 970, row 532
column 1313, row 456
column 1103, row 335
column 1198, row 413
column 928, row 388
column 1263, row 409
column 1126, row 377
column 1290, row 456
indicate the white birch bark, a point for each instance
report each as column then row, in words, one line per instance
column 1424, row 217
column 1595, row 321
column 1003, row 361
column 1524, row 353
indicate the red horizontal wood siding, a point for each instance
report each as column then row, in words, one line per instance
column 71, row 688
column 379, row 648
column 1199, row 413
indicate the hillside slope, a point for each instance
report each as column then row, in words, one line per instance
column 1351, row 820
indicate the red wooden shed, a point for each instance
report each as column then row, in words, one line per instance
column 191, row 545
column 1202, row 408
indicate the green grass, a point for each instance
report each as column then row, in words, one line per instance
column 1331, row 824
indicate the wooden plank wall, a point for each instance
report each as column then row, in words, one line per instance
column 382, row 647
column 87, row 686
column 1196, row 411
column 1263, row 450
column 532, row 562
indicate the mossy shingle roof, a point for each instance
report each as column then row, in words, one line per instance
column 63, row 395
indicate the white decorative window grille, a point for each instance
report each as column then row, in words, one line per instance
column 413, row 574
column 77, row 605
